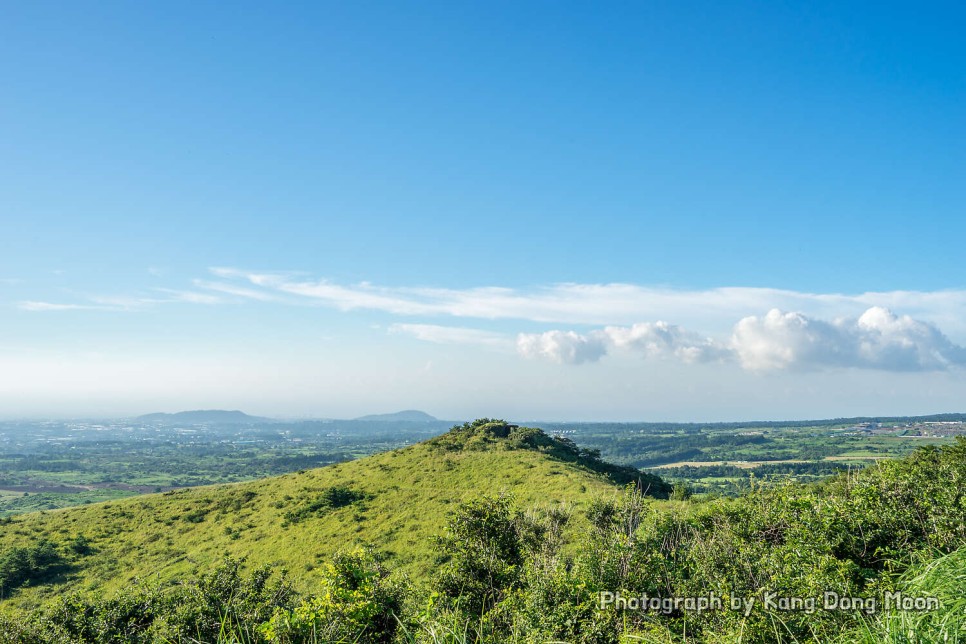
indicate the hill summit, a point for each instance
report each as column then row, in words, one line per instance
column 396, row 502
column 487, row 433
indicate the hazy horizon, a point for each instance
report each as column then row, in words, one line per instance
column 459, row 419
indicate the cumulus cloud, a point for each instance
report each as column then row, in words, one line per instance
column 902, row 343
column 654, row 340
column 878, row 339
column 782, row 340
column 565, row 347
column 660, row 339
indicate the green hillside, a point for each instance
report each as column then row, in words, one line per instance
column 503, row 571
column 395, row 501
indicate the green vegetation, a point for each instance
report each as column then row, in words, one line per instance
column 395, row 502
column 486, row 433
column 36, row 564
column 511, row 567
column 329, row 498
column 943, row 578
column 50, row 465
column 727, row 458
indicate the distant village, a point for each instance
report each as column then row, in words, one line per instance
column 923, row 429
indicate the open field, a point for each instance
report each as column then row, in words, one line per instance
column 742, row 464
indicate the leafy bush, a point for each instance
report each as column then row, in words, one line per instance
column 481, row 553
column 328, row 499
column 22, row 566
column 356, row 603
column 218, row 603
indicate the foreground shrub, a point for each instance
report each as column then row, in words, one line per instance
column 356, row 602
column 216, row 605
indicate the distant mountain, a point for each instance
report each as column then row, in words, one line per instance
column 204, row 416
column 408, row 416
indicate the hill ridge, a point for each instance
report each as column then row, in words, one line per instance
column 395, row 502
column 219, row 416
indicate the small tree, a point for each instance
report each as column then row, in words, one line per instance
column 481, row 553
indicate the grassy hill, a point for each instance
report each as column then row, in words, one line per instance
column 507, row 575
column 396, row 501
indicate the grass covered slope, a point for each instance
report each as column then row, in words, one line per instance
column 396, row 501
column 504, row 574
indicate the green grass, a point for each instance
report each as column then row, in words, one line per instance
column 405, row 497
column 943, row 578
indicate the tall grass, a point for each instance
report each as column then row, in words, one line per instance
column 943, row 578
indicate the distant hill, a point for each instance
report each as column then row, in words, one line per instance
column 204, row 416
column 396, row 501
column 407, row 416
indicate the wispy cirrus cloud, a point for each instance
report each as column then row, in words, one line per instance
column 802, row 331
column 35, row 305
column 439, row 334
column 190, row 297
column 122, row 302
column 589, row 304
column 759, row 329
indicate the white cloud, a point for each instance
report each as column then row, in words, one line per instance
column 236, row 290
column 801, row 331
column 566, row 347
column 904, row 344
column 122, row 302
column 94, row 303
column 190, row 297
column 781, row 340
column 878, row 339
column 452, row 335
column 714, row 310
column 653, row 340
column 862, row 332
column 660, row 339
column 33, row 305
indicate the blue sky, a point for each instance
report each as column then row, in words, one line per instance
column 531, row 210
